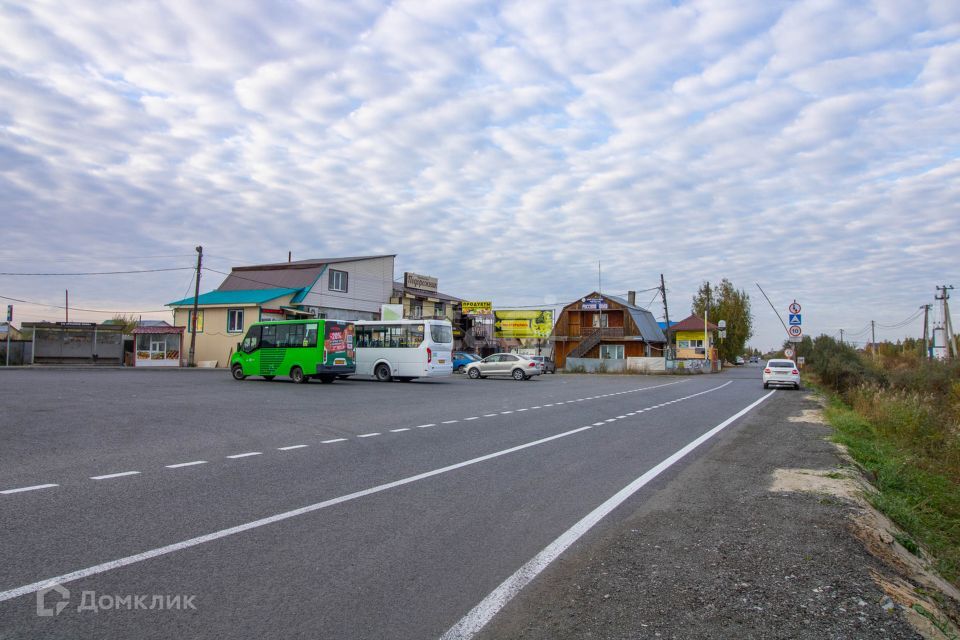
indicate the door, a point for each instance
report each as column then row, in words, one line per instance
column 158, row 348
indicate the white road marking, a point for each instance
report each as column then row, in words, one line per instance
column 480, row 615
column 245, row 455
column 503, row 413
column 537, row 407
column 598, row 424
column 548, row 405
column 424, row 426
column 621, row 417
column 185, row 464
column 33, row 488
column 291, row 447
column 399, row 430
column 489, row 415
column 223, row 533
column 471, row 418
column 449, row 421
column 332, row 441
column 519, row 410
column 115, row 475
column 610, row 420
column 368, row 435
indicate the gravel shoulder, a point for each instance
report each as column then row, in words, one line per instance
column 712, row 552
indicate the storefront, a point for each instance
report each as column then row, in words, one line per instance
column 158, row 346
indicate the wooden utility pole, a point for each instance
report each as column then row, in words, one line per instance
column 926, row 324
column 873, row 338
column 66, row 305
column 193, row 321
column 841, row 337
column 666, row 313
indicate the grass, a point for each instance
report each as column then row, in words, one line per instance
column 922, row 498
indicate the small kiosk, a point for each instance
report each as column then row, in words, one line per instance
column 158, row 346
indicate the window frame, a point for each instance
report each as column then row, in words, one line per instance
column 336, row 274
column 190, row 320
column 230, row 313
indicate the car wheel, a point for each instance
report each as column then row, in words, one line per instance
column 461, row 368
column 237, row 372
column 473, row 374
column 518, row 375
column 797, row 386
column 382, row 373
column 766, row 386
column 269, row 377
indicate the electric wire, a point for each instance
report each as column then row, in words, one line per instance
column 72, row 308
column 98, row 273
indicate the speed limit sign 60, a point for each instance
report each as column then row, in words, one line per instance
column 795, row 331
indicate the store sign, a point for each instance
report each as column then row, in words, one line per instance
column 593, row 304
column 417, row 281
column 523, row 323
column 477, row 307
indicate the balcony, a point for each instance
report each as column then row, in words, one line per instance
column 576, row 333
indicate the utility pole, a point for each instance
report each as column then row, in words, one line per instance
column 926, row 324
column 947, row 322
column 873, row 338
column 706, row 337
column 193, row 321
column 841, row 337
column 66, row 305
column 666, row 311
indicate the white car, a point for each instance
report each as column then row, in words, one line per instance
column 504, row 364
column 781, row 372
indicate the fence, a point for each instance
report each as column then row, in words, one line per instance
column 21, row 352
column 627, row 365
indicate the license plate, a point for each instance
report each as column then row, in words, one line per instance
column 442, row 361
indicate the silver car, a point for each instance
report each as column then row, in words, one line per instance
column 504, row 364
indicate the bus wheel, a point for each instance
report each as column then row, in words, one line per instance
column 382, row 372
column 296, row 374
column 237, row 372
column 329, row 379
column 268, row 378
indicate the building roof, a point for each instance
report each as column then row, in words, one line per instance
column 650, row 331
column 299, row 273
column 236, row 296
column 157, row 329
column 693, row 323
column 663, row 325
column 399, row 288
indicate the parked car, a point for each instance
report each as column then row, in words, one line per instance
column 546, row 363
column 504, row 364
column 461, row 359
column 739, row 360
column 781, row 372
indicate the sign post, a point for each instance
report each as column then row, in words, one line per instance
column 9, row 331
column 795, row 330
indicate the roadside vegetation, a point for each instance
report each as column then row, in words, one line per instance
column 899, row 416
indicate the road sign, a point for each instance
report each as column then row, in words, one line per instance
column 801, row 361
column 794, row 339
column 795, row 331
column 795, row 318
column 788, row 352
column 794, row 307
column 9, row 313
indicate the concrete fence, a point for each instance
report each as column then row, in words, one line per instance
column 629, row 365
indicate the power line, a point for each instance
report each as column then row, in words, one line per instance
column 98, row 273
column 72, row 308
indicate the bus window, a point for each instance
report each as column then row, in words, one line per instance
column 268, row 338
column 441, row 333
column 295, row 335
column 311, row 338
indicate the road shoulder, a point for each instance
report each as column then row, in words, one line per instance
column 711, row 552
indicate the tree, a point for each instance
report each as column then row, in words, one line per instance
column 726, row 302
column 129, row 322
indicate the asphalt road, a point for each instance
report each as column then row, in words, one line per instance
column 353, row 510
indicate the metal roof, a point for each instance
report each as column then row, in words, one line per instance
column 299, row 274
column 157, row 329
column 692, row 323
column 236, row 296
column 650, row 331
column 312, row 262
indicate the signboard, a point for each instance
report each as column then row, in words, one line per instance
column 593, row 304
column 9, row 313
column 794, row 331
column 788, row 353
column 795, row 319
column 794, row 339
column 801, row 361
column 522, row 323
column 477, row 307
column 417, row 281
column 794, row 307
column 391, row 312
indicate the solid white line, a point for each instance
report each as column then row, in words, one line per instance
column 424, row 426
column 246, row 455
column 332, row 441
column 33, row 488
column 293, row 446
column 223, row 533
column 368, row 435
column 399, row 430
column 115, row 475
column 480, row 615
column 185, row 464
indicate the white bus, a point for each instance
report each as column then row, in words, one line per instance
column 404, row 349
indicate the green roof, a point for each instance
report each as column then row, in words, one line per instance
column 240, row 296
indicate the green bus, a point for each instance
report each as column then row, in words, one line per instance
column 301, row 349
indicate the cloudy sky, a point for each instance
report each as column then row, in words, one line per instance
column 505, row 148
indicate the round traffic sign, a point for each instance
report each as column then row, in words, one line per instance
column 788, row 353
column 794, row 307
column 795, row 331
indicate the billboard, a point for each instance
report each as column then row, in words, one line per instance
column 477, row 307
column 523, row 323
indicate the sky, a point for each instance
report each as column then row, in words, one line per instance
column 507, row 148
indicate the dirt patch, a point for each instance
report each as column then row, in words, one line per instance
column 812, row 416
column 832, row 483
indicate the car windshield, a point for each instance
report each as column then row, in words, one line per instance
column 780, row 364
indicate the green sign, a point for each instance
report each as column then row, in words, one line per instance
column 523, row 323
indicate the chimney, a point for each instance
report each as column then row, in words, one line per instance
column 632, row 298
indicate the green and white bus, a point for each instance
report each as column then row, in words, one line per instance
column 301, row 349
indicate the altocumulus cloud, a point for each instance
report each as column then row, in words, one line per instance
column 505, row 147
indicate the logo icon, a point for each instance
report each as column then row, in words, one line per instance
column 48, row 612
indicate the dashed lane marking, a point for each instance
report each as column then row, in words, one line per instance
column 332, row 441
column 115, row 475
column 369, row 435
column 33, row 488
column 291, row 447
column 186, row 464
column 399, row 430
column 246, row 455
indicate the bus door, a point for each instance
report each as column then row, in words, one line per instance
column 250, row 351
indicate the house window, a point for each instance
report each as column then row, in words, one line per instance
column 416, row 310
column 611, row 352
column 338, row 281
column 601, row 320
column 234, row 320
column 199, row 321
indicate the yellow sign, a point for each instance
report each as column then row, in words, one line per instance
column 523, row 323
column 478, row 307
